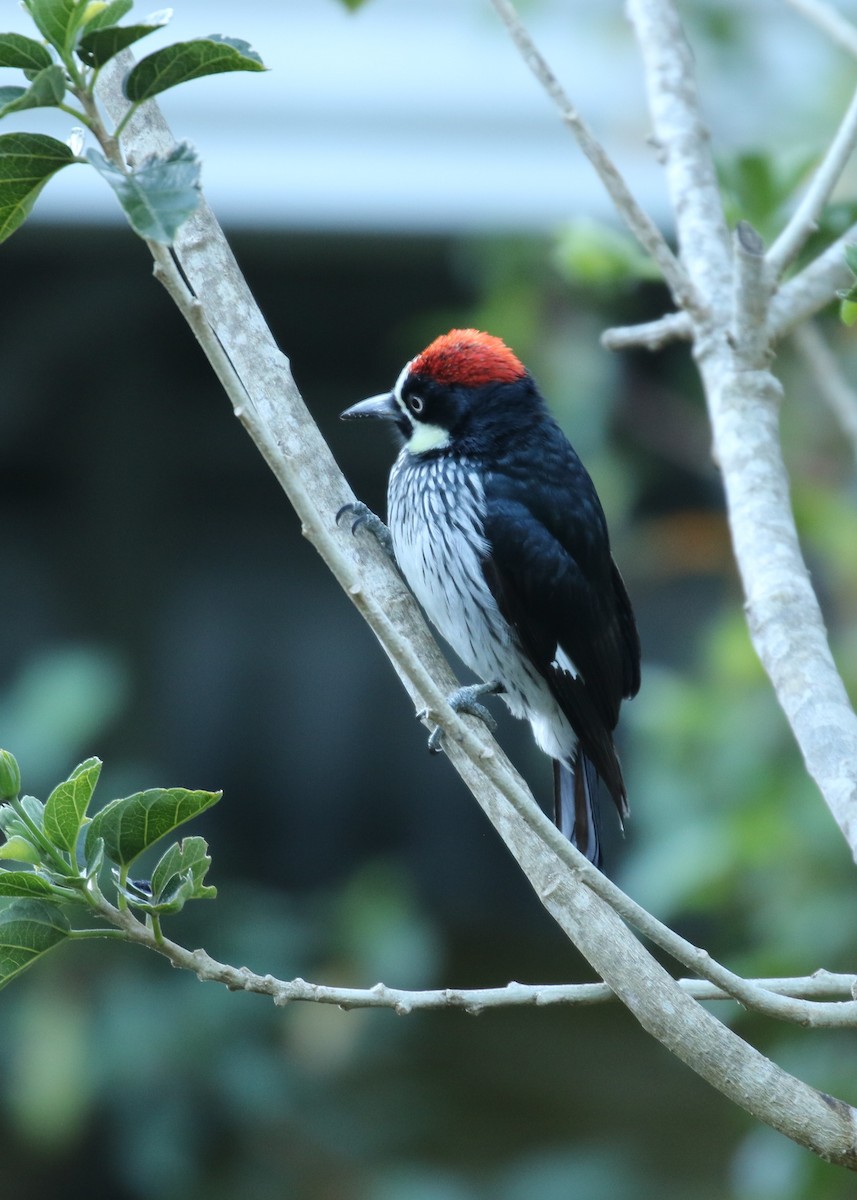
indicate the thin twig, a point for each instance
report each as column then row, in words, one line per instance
column 800, row 990
column 693, row 957
column 833, row 385
column 813, row 288
column 683, row 138
column 649, row 335
column 828, row 18
column 637, row 220
column 798, row 299
column 804, row 220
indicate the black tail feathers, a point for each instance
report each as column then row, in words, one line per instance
column 576, row 805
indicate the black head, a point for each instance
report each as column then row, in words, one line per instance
column 459, row 379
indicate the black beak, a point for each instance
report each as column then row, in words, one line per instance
column 383, row 406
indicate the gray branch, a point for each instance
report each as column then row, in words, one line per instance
column 637, row 220
column 651, row 335
column 828, row 18
column 798, row 299
column 813, row 288
column 683, row 138
column 804, row 222
column 823, row 999
column 743, row 398
column 749, row 339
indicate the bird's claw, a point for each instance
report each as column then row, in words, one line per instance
column 465, row 700
column 363, row 517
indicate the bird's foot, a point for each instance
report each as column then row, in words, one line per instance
column 466, row 700
column 363, row 517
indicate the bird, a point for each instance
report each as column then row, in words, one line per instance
column 497, row 529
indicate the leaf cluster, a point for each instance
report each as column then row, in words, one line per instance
column 60, row 853
column 60, row 70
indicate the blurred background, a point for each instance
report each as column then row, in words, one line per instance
column 398, row 172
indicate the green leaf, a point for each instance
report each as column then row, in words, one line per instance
column 848, row 310
column 28, row 929
column 130, row 825
column 20, row 849
column 94, row 858
column 187, row 858
column 109, row 14
column 851, row 257
column 11, row 821
column 177, row 878
column 58, row 20
column 46, row 89
column 24, row 52
column 757, row 185
column 160, row 195
column 99, row 46
column 35, row 810
column 10, row 775
column 23, row 883
column 592, row 252
column 65, row 808
column 8, row 96
column 189, row 60
column 22, row 845
column 27, row 161
column 140, row 897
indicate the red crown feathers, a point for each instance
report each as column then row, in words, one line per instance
column 469, row 358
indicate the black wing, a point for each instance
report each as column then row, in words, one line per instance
column 552, row 574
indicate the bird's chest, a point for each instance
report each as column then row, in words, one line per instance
column 436, row 509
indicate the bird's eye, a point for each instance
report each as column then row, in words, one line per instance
column 416, row 404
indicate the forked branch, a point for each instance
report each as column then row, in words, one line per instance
column 743, row 398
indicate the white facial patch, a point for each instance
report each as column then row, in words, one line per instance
column 427, row 437
column 400, row 383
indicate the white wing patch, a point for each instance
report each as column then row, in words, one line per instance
column 561, row 662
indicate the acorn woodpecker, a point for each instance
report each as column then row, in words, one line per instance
column 497, row 529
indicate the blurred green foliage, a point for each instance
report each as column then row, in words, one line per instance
column 594, row 254
column 758, row 186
